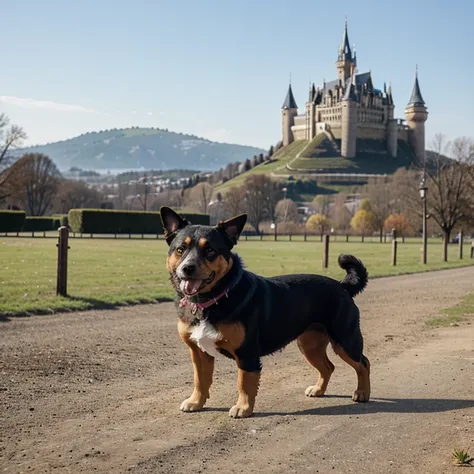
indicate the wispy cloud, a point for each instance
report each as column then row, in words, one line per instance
column 44, row 104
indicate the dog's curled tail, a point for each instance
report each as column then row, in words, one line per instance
column 357, row 276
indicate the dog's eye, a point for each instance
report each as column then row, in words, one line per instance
column 180, row 250
column 209, row 251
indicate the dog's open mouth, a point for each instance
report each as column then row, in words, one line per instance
column 193, row 287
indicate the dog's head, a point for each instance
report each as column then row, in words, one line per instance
column 199, row 256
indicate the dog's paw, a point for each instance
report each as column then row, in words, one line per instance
column 314, row 391
column 240, row 412
column 191, row 405
column 360, row 396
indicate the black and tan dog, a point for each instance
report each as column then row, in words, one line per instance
column 224, row 309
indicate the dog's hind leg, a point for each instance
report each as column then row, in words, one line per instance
column 313, row 344
column 362, row 368
column 203, row 365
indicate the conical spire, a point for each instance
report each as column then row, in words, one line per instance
column 345, row 52
column 416, row 97
column 290, row 102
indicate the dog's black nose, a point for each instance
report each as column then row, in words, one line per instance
column 189, row 269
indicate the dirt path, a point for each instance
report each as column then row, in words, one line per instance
column 99, row 392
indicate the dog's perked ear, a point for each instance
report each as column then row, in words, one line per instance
column 172, row 222
column 232, row 228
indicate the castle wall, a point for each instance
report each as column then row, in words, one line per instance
column 288, row 120
column 371, row 131
column 349, row 129
column 392, row 138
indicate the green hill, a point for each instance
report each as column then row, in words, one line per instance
column 147, row 148
column 309, row 159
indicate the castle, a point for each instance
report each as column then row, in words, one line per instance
column 350, row 108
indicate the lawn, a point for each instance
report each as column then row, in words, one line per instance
column 107, row 272
column 455, row 314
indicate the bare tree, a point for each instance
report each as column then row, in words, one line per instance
column 11, row 136
column 143, row 190
column 200, row 197
column 254, row 199
column 380, row 203
column 76, row 195
column 34, row 181
column 322, row 204
column 449, row 185
column 233, row 201
column 341, row 215
column 286, row 211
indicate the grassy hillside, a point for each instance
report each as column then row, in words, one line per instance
column 323, row 156
column 148, row 148
column 279, row 160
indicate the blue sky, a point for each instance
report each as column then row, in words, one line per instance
column 220, row 68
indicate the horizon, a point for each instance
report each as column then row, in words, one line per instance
column 215, row 70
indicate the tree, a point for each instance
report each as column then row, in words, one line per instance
column 260, row 198
column 233, row 201
column 363, row 222
column 398, row 222
column 200, row 197
column 74, row 194
column 322, row 204
column 449, row 186
column 318, row 223
column 286, row 211
column 34, row 181
column 143, row 191
column 270, row 151
column 379, row 203
column 341, row 216
column 11, row 136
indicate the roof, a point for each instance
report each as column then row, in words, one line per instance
column 416, row 97
column 350, row 92
column 360, row 80
column 345, row 49
column 290, row 102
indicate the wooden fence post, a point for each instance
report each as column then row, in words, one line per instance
column 394, row 252
column 347, row 237
column 472, row 249
column 461, row 238
column 304, row 236
column 61, row 287
column 326, row 251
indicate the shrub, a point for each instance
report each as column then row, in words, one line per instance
column 41, row 224
column 12, row 221
column 104, row 221
column 63, row 219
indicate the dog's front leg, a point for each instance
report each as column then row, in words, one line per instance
column 248, row 387
column 203, row 365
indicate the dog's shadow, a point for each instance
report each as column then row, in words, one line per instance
column 376, row 405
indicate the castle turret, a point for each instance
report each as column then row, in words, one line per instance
column 349, row 121
column 345, row 62
column 289, row 110
column 416, row 114
column 392, row 125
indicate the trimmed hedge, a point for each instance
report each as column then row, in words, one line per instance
column 41, row 224
column 12, row 221
column 105, row 221
column 63, row 219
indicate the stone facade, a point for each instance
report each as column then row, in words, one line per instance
column 351, row 107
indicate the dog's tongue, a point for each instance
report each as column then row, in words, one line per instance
column 190, row 287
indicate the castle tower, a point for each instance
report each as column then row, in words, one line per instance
column 289, row 110
column 345, row 62
column 416, row 114
column 392, row 126
column 349, row 121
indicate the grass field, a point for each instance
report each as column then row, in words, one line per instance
column 106, row 272
column 456, row 313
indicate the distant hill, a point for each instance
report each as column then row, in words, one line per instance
column 148, row 148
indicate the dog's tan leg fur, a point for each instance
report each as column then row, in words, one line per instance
column 362, row 393
column 248, row 387
column 313, row 344
column 203, row 365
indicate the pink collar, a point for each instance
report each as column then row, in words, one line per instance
column 195, row 306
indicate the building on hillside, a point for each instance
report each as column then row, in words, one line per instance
column 350, row 109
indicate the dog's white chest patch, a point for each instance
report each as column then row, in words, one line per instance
column 206, row 336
